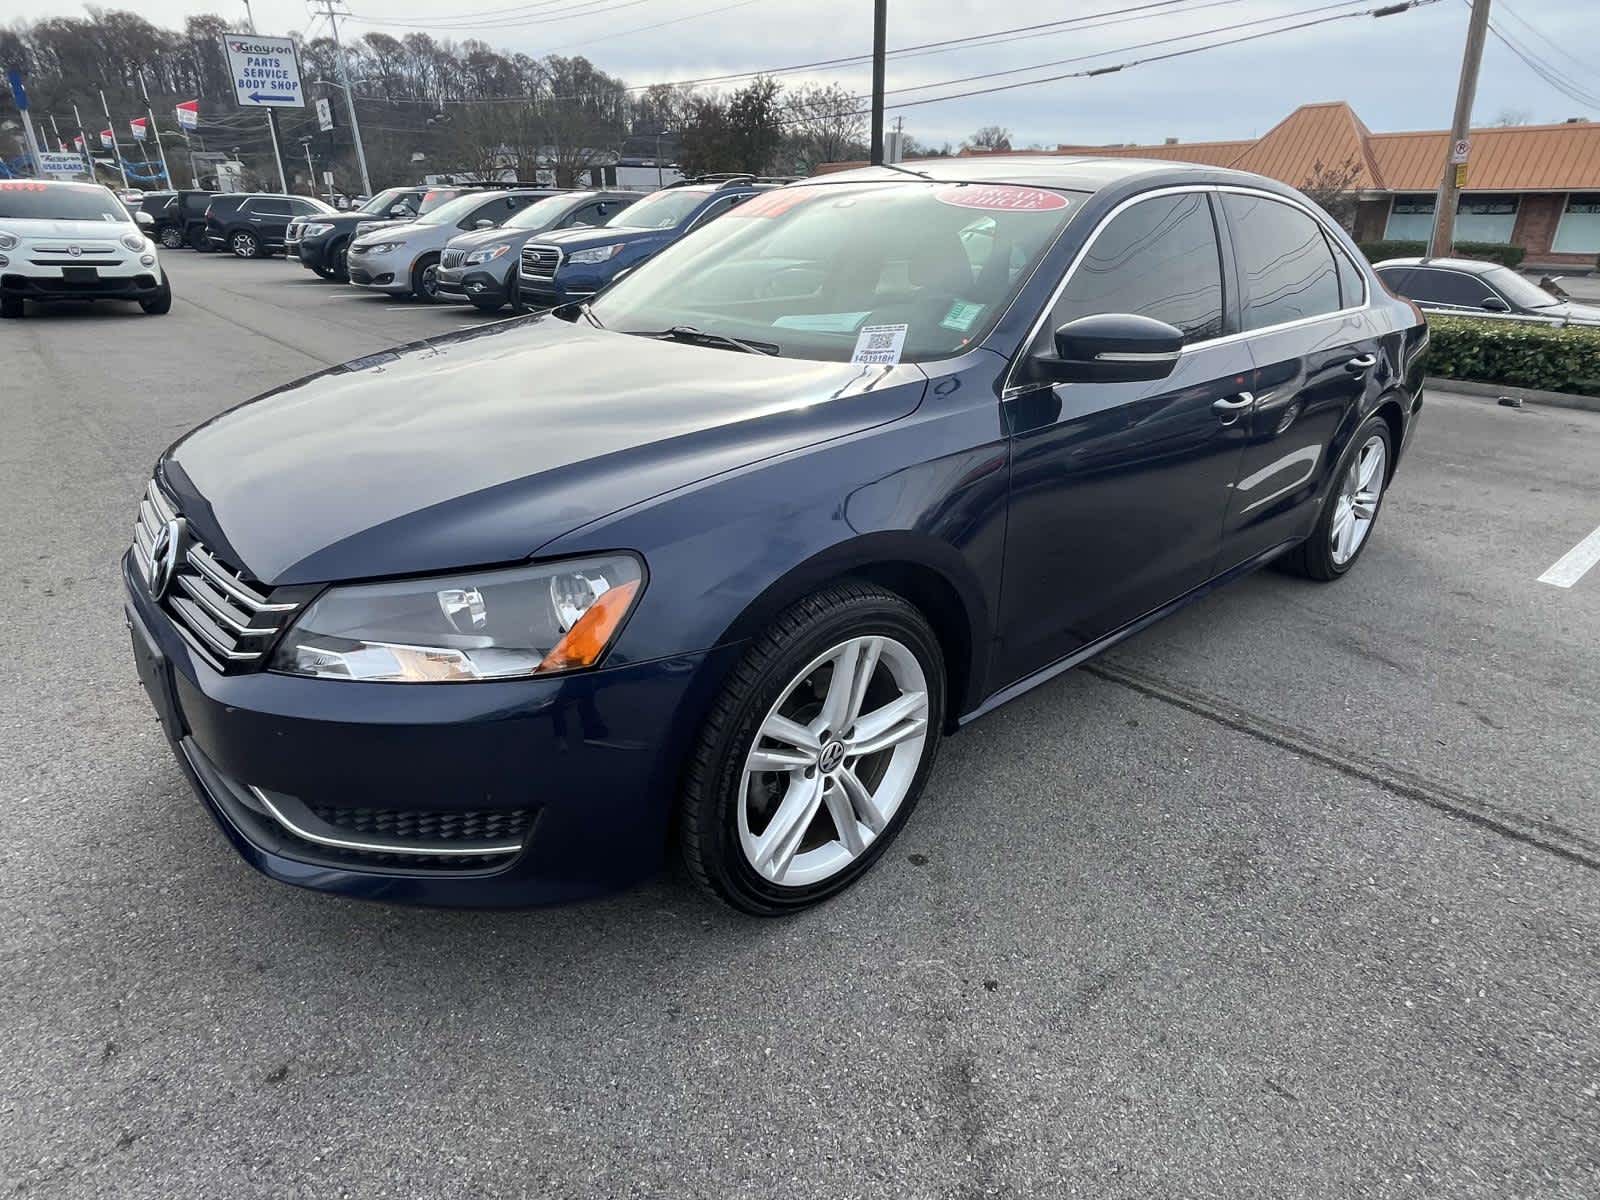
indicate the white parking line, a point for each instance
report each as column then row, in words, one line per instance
column 1570, row 567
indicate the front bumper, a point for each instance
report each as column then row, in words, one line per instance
column 464, row 285
column 593, row 759
column 312, row 253
column 389, row 272
column 135, row 283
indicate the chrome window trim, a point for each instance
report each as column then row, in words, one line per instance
column 1012, row 388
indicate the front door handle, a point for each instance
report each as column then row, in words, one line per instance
column 1229, row 407
column 1364, row 362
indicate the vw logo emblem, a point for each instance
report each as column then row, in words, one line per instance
column 832, row 756
column 75, row 251
column 164, row 557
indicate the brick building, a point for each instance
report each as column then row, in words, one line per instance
column 1535, row 186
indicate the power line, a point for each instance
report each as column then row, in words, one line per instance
column 1548, row 40
column 1561, row 83
column 587, row 8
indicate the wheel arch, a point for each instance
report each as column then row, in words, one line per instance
column 1391, row 407
column 927, row 573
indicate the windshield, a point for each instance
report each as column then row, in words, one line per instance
column 808, row 268
column 27, row 201
column 380, row 204
column 455, row 210
column 539, row 214
column 1524, row 293
column 660, row 210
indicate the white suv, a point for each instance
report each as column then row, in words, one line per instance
column 74, row 241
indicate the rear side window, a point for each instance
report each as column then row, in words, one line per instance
column 1159, row 259
column 269, row 206
column 1352, row 283
column 1286, row 271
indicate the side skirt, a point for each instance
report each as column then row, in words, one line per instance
column 1028, row 682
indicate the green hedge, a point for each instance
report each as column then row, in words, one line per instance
column 1519, row 353
column 1511, row 256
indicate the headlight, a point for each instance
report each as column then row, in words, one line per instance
column 8, row 241
column 488, row 254
column 477, row 625
column 379, row 247
column 133, row 241
column 598, row 255
column 315, row 229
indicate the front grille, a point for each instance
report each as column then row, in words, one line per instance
column 229, row 621
column 451, row 259
column 395, row 824
column 65, row 248
column 540, row 262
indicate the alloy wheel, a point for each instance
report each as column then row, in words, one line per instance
column 430, row 281
column 171, row 237
column 833, row 761
column 1356, row 506
column 244, row 245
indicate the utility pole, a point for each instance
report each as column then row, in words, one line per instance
column 155, row 131
column 328, row 10
column 1455, row 168
column 111, row 127
column 88, row 154
column 880, row 25
column 311, row 171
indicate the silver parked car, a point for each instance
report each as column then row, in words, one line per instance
column 404, row 259
column 1469, row 287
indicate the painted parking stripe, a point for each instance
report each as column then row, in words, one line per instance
column 1572, row 565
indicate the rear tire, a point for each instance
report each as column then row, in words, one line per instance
column 11, row 307
column 425, row 279
column 244, row 244
column 161, row 303
column 1350, row 511
column 845, row 792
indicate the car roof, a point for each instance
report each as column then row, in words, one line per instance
column 1086, row 173
column 1468, row 266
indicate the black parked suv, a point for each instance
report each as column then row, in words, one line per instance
column 253, row 225
column 480, row 267
column 179, row 218
column 576, row 263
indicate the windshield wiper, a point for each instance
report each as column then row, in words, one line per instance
column 699, row 337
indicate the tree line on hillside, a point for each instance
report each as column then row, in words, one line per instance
column 427, row 106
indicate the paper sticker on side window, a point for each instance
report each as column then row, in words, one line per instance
column 1001, row 197
column 880, row 344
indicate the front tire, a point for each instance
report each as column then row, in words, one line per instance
column 161, row 303
column 171, row 237
column 425, row 279
column 339, row 262
column 1350, row 512
column 244, row 244
column 816, row 753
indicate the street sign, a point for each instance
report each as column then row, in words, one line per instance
column 1461, row 176
column 266, row 73
column 62, row 164
column 1460, row 149
column 324, row 114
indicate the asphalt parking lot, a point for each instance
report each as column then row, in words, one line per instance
column 1294, row 895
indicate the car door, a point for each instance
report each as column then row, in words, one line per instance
column 1315, row 344
column 1118, row 490
column 269, row 217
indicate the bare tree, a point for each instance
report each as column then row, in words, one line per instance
column 1334, row 190
column 825, row 124
column 990, row 137
column 1513, row 116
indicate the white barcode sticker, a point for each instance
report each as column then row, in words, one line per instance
column 879, row 344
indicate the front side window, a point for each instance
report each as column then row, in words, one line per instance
column 1158, row 259
column 1286, row 271
column 1428, row 286
column 803, row 269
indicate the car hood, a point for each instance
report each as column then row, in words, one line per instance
column 488, row 237
column 481, row 446
column 600, row 235
column 404, row 231
column 1586, row 313
column 82, row 230
column 349, row 220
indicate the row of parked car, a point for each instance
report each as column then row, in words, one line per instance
column 490, row 246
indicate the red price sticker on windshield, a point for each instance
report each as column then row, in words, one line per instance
column 12, row 186
column 1001, row 197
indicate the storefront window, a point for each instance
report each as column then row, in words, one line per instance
column 1478, row 218
column 1579, row 231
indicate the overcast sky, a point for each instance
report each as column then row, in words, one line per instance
column 1399, row 72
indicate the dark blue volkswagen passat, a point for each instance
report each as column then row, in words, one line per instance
column 717, row 559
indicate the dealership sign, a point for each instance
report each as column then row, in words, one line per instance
column 266, row 73
column 62, row 164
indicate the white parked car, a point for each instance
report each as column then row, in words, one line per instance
column 74, row 241
column 403, row 260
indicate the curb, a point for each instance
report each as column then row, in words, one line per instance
column 1494, row 391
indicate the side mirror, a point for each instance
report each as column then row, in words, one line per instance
column 1495, row 304
column 399, row 210
column 1111, row 348
column 144, row 219
column 483, row 223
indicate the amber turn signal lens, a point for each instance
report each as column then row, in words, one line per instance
column 587, row 640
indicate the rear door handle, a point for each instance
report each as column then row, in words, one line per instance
column 1363, row 363
column 1229, row 407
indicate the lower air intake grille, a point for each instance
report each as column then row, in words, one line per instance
column 487, row 825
